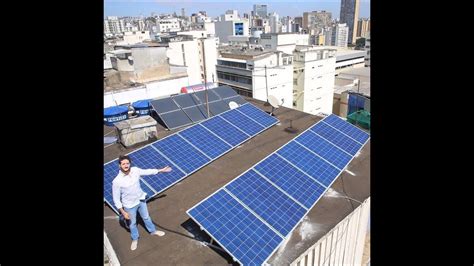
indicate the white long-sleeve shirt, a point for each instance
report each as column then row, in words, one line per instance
column 126, row 189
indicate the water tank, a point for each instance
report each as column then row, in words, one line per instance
column 142, row 107
column 114, row 114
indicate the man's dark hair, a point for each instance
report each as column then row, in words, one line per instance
column 124, row 157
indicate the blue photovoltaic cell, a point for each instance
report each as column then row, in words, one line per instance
column 337, row 138
column 258, row 115
column 185, row 150
column 176, row 119
column 111, row 170
column 181, row 153
column 235, row 228
column 310, row 163
column 211, row 145
column 238, row 99
column 186, row 100
column 218, row 107
column 149, row 158
column 347, row 128
column 274, row 189
column 225, row 130
column 291, row 180
column 164, row 105
column 267, row 201
column 211, row 96
column 225, row 91
column 243, row 122
column 196, row 113
column 324, row 149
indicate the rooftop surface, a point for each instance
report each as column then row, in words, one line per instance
column 181, row 245
column 346, row 76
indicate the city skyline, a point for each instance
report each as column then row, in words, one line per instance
column 215, row 8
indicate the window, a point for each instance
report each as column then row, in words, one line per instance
column 295, row 81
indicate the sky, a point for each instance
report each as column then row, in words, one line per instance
column 215, row 8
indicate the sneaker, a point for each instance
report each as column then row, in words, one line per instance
column 158, row 233
column 134, row 245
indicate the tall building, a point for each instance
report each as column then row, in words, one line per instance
column 260, row 10
column 313, row 79
column 274, row 18
column 340, row 35
column 363, row 27
column 256, row 73
column 183, row 13
column 316, row 20
column 224, row 29
column 230, row 15
column 350, row 15
column 114, row 25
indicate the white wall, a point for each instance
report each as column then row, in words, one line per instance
column 223, row 29
column 210, row 51
column 175, row 54
column 134, row 37
column 149, row 91
column 210, row 28
column 344, row 244
column 315, row 85
column 279, row 80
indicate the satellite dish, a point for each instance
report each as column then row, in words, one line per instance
column 233, row 105
column 273, row 102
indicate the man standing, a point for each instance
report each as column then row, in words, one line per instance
column 129, row 197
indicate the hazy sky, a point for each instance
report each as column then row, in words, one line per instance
column 215, row 8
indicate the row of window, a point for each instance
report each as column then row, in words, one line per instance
column 233, row 77
column 232, row 64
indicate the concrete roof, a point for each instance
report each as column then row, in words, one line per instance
column 346, row 76
column 345, row 54
column 181, row 245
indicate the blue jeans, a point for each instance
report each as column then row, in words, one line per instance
column 143, row 210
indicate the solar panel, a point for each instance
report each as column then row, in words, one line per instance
column 339, row 139
column 211, row 96
column 186, row 100
column 177, row 150
column 185, row 151
column 210, row 144
column 149, row 158
column 347, row 128
column 278, row 191
column 236, row 228
column 257, row 114
column 196, row 113
column 243, row 122
column 218, row 107
column 280, row 211
column 324, row 148
column 164, row 105
column 185, row 109
column 225, row 130
column 311, row 164
column 238, row 99
column 225, row 92
column 176, row 119
column 300, row 186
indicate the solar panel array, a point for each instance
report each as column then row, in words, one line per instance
column 191, row 148
column 252, row 215
column 185, row 109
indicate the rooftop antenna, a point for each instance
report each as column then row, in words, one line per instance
column 273, row 101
